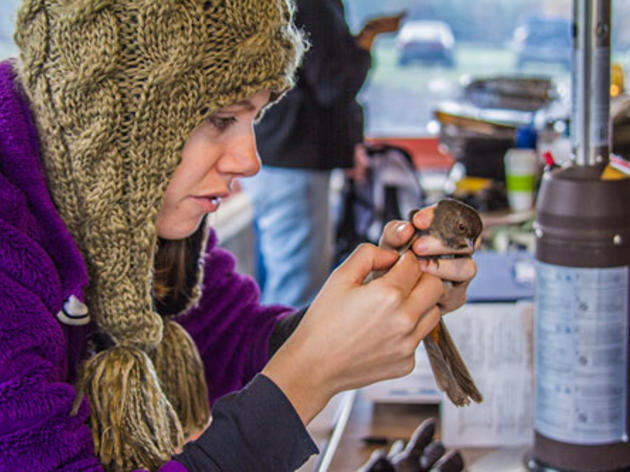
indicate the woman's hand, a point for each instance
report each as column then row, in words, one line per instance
column 457, row 271
column 375, row 26
column 357, row 333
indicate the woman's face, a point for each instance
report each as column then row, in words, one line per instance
column 215, row 153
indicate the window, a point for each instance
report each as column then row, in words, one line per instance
column 443, row 44
column 7, row 19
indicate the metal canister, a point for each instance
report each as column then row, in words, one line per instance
column 582, row 323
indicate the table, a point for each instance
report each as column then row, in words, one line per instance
column 392, row 421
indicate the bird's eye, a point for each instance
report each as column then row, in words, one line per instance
column 461, row 227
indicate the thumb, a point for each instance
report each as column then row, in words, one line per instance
column 423, row 218
column 363, row 260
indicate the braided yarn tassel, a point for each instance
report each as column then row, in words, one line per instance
column 182, row 377
column 133, row 424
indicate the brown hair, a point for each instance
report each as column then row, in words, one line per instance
column 176, row 271
column 169, row 279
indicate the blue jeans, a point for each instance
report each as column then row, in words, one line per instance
column 294, row 232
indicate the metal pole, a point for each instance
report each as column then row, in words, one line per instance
column 590, row 80
column 331, row 447
column 582, row 327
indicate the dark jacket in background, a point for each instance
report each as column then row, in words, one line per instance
column 317, row 124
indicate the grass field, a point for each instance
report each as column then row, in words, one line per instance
column 471, row 60
column 401, row 99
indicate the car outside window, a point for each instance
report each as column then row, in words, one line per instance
column 428, row 42
column 445, row 44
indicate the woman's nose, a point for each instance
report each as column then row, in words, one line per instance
column 253, row 159
column 244, row 155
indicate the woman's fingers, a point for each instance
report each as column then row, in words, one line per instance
column 423, row 217
column 404, row 275
column 426, row 324
column 457, row 274
column 363, row 260
column 454, row 297
column 425, row 295
column 396, row 234
column 428, row 245
column 458, row 269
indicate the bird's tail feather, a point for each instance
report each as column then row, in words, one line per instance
column 451, row 374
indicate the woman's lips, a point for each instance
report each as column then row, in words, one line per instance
column 208, row 204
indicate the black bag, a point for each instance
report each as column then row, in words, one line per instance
column 390, row 191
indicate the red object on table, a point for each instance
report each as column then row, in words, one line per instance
column 425, row 152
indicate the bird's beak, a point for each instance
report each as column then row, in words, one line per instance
column 471, row 243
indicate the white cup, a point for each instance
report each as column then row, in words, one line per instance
column 521, row 169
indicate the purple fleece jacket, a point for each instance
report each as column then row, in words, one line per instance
column 40, row 267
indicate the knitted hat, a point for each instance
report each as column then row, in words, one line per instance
column 116, row 87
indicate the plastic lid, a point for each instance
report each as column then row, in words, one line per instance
column 526, row 137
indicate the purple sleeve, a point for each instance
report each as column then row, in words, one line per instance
column 229, row 325
column 171, row 466
column 37, row 431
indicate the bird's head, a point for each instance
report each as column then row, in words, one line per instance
column 458, row 224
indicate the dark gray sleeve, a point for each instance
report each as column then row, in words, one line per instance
column 254, row 429
column 283, row 329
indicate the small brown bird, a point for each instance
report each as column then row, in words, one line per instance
column 458, row 226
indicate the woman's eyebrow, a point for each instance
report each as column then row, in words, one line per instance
column 243, row 104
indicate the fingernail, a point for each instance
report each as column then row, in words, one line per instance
column 420, row 246
column 401, row 227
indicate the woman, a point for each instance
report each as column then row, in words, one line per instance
column 124, row 122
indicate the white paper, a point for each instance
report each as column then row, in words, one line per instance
column 495, row 340
column 417, row 387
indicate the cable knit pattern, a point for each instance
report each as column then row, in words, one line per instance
column 40, row 266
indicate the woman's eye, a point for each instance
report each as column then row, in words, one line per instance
column 222, row 122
